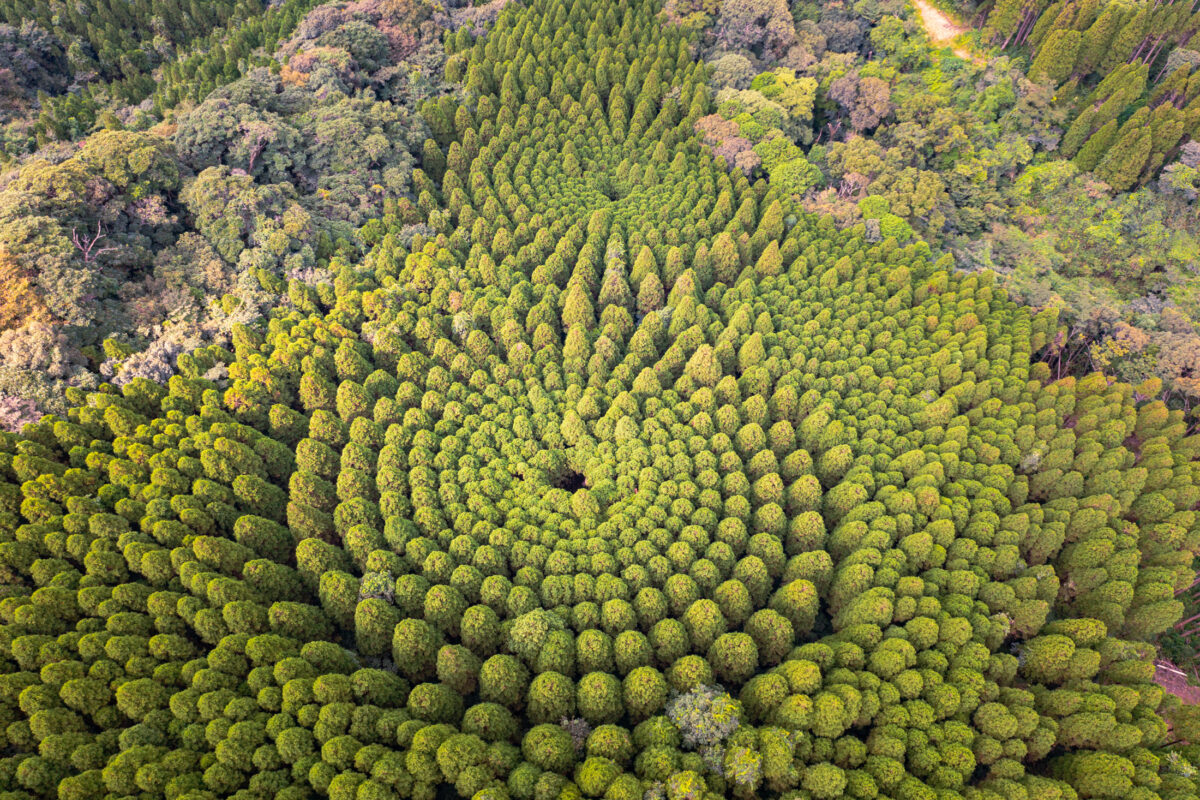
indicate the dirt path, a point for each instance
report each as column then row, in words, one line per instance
column 942, row 30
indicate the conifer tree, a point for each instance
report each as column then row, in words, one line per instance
column 614, row 290
column 1123, row 162
column 1167, row 125
column 703, row 367
column 1096, row 146
column 674, row 266
column 1055, row 17
column 643, row 265
column 1174, row 88
column 1126, row 40
column 650, row 294
column 1056, row 58
column 771, row 224
column 1078, row 133
column 432, row 160
column 1003, row 20
column 577, row 310
column 770, row 262
column 726, row 262
column 1097, row 38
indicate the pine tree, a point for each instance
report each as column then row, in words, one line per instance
column 1123, row 44
column 1056, row 58
column 770, row 262
column 1078, row 133
column 650, row 294
column 1094, row 149
column 726, row 263
column 577, row 310
column 1123, row 163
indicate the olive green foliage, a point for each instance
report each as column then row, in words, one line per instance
column 811, row 524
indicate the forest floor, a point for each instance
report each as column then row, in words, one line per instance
column 1175, row 681
column 943, row 31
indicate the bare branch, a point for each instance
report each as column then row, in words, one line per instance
column 87, row 244
column 257, row 148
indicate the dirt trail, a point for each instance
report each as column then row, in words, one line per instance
column 942, row 30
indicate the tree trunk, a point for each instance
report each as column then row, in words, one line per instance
column 1017, row 30
column 1030, row 24
column 1154, row 51
column 1137, row 53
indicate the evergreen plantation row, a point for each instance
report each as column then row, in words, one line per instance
column 70, row 66
column 1133, row 112
column 623, row 478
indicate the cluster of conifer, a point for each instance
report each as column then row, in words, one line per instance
column 122, row 38
column 1106, row 53
column 498, row 508
column 114, row 54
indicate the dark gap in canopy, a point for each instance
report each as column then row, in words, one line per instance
column 571, row 481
